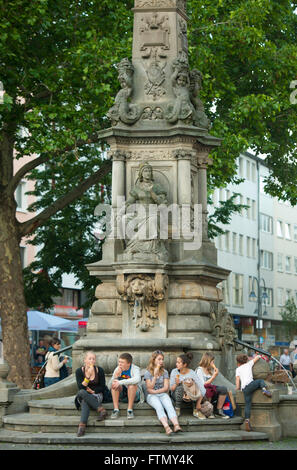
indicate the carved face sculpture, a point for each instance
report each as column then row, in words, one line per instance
column 138, row 287
column 146, row 173
column 182, row 80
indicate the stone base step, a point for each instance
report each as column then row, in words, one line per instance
column 137, row 440
column 47, row 423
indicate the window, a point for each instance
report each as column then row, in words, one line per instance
column 222, row 194
column 253, row 172
column 238, row 289
column 295, row 265
column 269, row 301
column 262, row 184
column 295, row 233
column 234, row 242
column 253, row 210
column 227, row 241
column 280, row 296
column 288, row 294
column 248, row 210
column 280, row 262
column 266, row 260
column 20, row 196
column 288, row 232
column 279, row 228
column 240, row 245
column 248, row 170
column 266, row 223
column 288, row 264
column 69, row 298
column 254, row 248
column 248, row 247
column 240, row 166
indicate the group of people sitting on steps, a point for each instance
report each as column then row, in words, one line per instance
column 162, row 392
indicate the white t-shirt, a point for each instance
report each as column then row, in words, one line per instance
column 245, row 373
column 285, row 359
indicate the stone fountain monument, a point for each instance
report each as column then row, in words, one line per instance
column 157, row 292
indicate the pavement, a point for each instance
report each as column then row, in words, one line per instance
column 284, row 444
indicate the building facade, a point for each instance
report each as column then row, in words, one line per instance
column 259, row 247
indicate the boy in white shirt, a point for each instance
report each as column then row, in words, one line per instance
column 246, row 383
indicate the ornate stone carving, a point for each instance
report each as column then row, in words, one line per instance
column 200, row 120
column 183, row 38
column 141, row 225
column 182, row 4
column 152, row 113
column 156, row 76
column 154, row 33
column 143, row 293
column 152, row 155
column 123, row 110
column 187, row 106
column 222, row 325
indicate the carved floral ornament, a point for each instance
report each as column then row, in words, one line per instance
column 181, row 4
column 143, row 293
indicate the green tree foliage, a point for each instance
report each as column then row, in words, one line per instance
column 247, row 52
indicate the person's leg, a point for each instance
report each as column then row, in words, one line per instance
column 168, row 406
column 116, row 397
column 248, row 394
column 177, row 396
column 155, row 402
column 132, row 389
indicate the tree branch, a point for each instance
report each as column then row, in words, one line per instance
column 31, row 225
column 45, row 157
column 25, row 169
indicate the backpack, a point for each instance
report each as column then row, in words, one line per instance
column 228, row 408
column 206, row 408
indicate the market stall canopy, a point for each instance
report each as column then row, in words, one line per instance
column 45, row 322
column 73, row 325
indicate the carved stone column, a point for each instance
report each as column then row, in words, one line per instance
column 203, row 162
column 118, row 175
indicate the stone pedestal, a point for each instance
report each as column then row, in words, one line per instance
column 264, row 416
column 7, row 389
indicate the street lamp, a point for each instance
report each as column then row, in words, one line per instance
column 259, row 298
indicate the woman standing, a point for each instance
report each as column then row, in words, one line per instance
column 207, row 372
column 178, row 376
column 53, row 365
column 157, row 387
column 90, row 381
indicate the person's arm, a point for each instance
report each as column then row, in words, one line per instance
column 199, row 382
column 135, row 377
column 214, row 375
column 256, row 359
column 151, row 384
column 174, row 380
column 237, row 382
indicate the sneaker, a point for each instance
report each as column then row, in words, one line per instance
column 115, row 414
column 221, row 414
column 198, row 414
column 211, row 416
column 247, row 425
column 130, row 414
column 177, row 410
column 266, row 392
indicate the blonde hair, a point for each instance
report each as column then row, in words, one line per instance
column 87, row 353
column 206, row 360
column 151, row 366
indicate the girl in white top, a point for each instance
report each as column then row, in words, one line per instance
column 53, row 366
column 207, row 372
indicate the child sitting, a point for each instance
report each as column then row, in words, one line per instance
column 246, row 383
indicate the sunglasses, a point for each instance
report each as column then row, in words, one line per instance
column 158, row 352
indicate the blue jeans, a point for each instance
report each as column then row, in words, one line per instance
column 248, row 395
column 51, row 381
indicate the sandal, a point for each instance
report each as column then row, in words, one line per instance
column 168, row 430
column 177, row 428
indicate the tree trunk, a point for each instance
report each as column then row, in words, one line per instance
column 13, row 309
